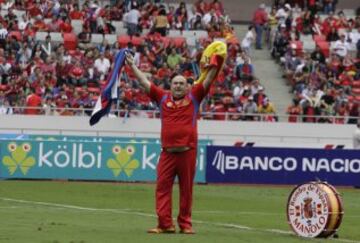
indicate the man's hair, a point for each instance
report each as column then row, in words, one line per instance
column 174, row 75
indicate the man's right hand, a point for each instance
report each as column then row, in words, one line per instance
column 129, row 59
column 144, row 82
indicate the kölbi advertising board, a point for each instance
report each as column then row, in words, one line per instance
column 282, row 165
column 78, row 160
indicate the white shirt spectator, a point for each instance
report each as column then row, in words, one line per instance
column 341, row 48
column 5, row 68
column 238, row 91
column 240, row 59
column 281, row 15
column 353, row 36
column 7, row 5
column 133, row 16
column 6, row 109
column 207, row 17
column 3, row 33
column 102, row 65
column 47, row 47
column 23, row 22
column 248, row 39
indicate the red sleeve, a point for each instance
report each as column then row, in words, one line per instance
column 215, row 61
column 156, row 93
column 199, row 92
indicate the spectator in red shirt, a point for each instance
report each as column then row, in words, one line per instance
column 54, row 25
column 39, row 24
column 62, row 72
column 77, row 74
column 260, row 18
column 65, row 26
column 34, row 10
column 33, row 103
column 294, row 111
column 76, row 13
column 179, row 109
column 163, row 72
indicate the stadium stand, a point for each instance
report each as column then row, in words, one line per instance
column 319, row 52
column 83, row 40
column 57, row 54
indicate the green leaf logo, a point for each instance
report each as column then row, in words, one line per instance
column 123, row 162
column 18, row 158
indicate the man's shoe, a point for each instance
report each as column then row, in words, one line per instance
column 188, row 231
column 158, row 230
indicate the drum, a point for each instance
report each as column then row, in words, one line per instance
column 314, row 209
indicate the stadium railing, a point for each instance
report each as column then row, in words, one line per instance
column 155, row 114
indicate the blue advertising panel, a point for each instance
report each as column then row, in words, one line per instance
column 122, row 161
column 282, row 165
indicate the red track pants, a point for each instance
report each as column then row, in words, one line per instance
column 183, row 165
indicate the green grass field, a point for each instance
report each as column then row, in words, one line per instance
column 79, row 212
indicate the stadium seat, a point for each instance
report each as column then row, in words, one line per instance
column 179, row 41
column 356, row 91
column 41, row 36
column 111, row 38
column 97, row 38
column 70, row 41
column 166, row 41
column 3, row 87
column 191, row 41
column 47, row 20
column 121, row 31
column 194, row 33
column 137, row 41
column 175, row 33
column 16, row 34
column 56, row 37
column 119, row 27
column 355, row 84
column 77, row 25
column 123, row 40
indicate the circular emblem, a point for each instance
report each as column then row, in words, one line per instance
column 314, row 210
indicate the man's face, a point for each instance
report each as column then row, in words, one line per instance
column 178, row 87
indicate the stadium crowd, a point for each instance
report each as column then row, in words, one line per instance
column 325, row 79
column 58, row 77
column 65, row 79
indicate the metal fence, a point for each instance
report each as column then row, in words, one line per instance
column 221, row 116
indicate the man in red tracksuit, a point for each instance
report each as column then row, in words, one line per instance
column 179, row 109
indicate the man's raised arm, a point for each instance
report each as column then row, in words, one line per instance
column 144, row 82
column 210, row 76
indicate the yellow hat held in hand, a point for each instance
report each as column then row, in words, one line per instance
column 214, row 55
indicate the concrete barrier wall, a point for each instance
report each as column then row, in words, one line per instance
column 221, row 132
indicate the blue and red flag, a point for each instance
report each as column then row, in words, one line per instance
column 110, row 92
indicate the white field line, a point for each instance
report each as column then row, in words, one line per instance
column 250, row 213
column 132, row 212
